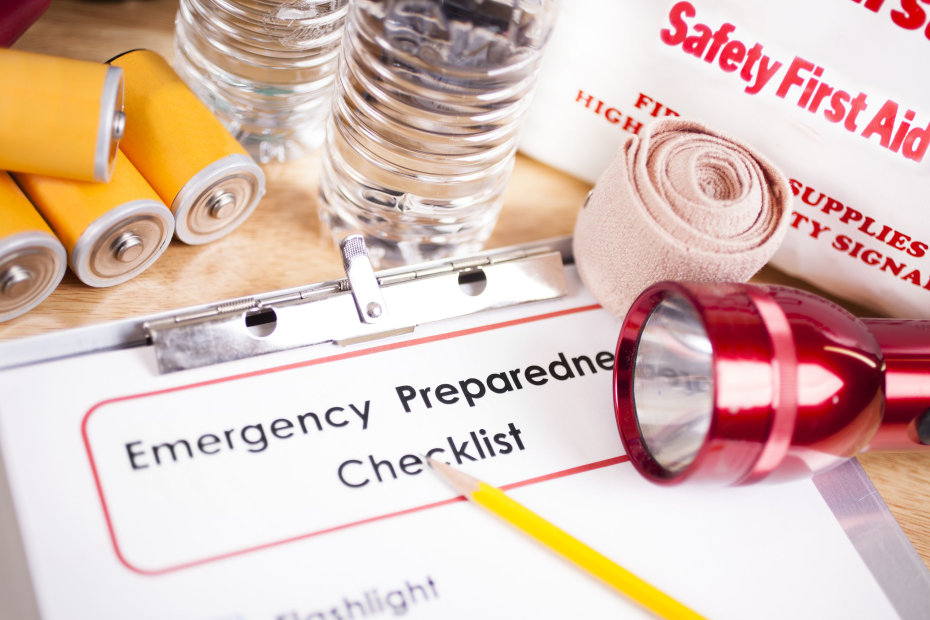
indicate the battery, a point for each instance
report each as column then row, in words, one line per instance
column 198, row 168
column 112, row 231
column 32, row 259
column 60, row 116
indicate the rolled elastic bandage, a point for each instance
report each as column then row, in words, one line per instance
column 680, row 202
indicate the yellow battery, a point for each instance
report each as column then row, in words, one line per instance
column 112, row 231
column 32, row 259
column 60, row 116
column 198, row 168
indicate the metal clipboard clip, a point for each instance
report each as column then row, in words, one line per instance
column 361, row 307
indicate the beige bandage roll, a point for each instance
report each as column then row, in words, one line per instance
column 679, row 202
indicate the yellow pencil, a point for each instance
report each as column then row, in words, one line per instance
column 568, row 546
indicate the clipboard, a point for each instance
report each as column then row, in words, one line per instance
column 258, row 458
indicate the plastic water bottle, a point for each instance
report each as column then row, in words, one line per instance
column 423, row 133
column 265, row 68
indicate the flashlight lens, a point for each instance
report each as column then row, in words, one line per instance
column 672, row 384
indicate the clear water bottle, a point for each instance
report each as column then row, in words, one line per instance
column 265, row 68
column 423, row 133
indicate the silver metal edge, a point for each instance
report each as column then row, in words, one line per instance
column 16, row 586
column 111, row 102
column 877, row 537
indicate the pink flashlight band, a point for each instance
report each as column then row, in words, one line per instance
column 784, row 379
column 797, row 383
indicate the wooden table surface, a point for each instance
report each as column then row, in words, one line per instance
column 282, row 246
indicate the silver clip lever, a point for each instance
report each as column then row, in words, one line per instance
column 362, row 280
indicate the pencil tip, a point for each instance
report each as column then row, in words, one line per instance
column 460, row 481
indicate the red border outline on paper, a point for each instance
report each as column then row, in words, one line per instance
column 313, row 362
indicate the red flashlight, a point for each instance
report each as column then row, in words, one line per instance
column 733, row 383
column 16, row 16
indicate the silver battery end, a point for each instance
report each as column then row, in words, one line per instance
column 31, row 266
column 122, row 243
column 218, row 199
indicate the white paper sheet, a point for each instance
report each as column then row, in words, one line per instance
column 115, row 526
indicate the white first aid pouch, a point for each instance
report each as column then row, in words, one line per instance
column 835, row 94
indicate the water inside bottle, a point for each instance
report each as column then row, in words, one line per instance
column 423, row 134
column 265, row 67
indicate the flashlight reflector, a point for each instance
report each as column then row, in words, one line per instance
column 673, row 384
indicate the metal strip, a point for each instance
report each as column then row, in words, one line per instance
column 331, row 315
column 877, row 538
